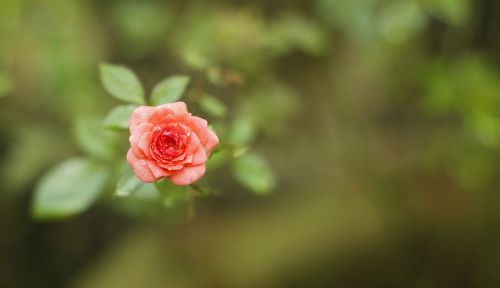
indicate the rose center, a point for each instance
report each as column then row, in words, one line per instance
column 169, row 143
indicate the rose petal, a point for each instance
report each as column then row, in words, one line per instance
column 200, row 122
column 193, row 143
column 199, row 156
column 136, row 137
column 159, row 115
column 177, row 107
column 188, row 175
column 192, row 151
column 140, row 115
column 165, row 117
column 140, row 167
column 144, row 144
column 157, row 171
column 170, row 168
column 212, row 140
column 168, row 113
column 207, row 137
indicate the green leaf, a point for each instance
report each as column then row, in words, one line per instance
column 95, row 140
column 22, row 164
column 140, row 25
column 400, row 20
column 147, row 192
column 239, row 151
column 169, row 90
column 219, row 158
column 455, row 12
column 254, row 173
column 243, row 130
column 127, row 184
column 258, row 106
column 122, row 83
column 213, row 106
column 119, row 117
column 6, row 84
column 172, row 195
column 68, row 189
column 290, row 30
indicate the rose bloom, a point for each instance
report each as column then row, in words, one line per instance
column 167, row 141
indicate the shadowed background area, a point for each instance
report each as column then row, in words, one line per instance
column 379, row 118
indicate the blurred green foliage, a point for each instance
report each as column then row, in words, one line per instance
column 83, row 182
column 380, row 119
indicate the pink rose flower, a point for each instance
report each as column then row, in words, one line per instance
column 167, row 141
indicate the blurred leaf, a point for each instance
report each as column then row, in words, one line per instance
column 259, row 107
column 6, row 84
column 469, row 89
column 213, row 106
column 253, row 172
column 455, row 12
column 486, row 128
column 221, row 129
column 23, row 162
column 172, row 195
column 400, row 20
column 239, row 151
column 10, row 11
column 96, row 140
column 147, row 192
column 442, row 97
column 68, row 189
column 122, row 83
column 224, row 77
column 214, row 75
column 293, row 31
column 127, row 184
column 218, row 158
column 169, row 90
column 143, row 202
column 212, row 35
column 355, row 17
column 474, row 170
column 243, row 130
column 141, row 25
column 119, row 117
column 194, row 37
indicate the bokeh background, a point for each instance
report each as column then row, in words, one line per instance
column 380, row 119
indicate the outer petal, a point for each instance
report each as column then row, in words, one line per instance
column 207, row 137
column 177, row 107
column 193, row 144
column 168, row 112
column 140, row 168
column 160, row 114
column 170, row 168
column 144, row 143
column 140, row 115
column 157, row 171
column 200, row 127
column 212, row 140
column 188, row 175
column 135, row 137
column 199, row 122
column 199, row 156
